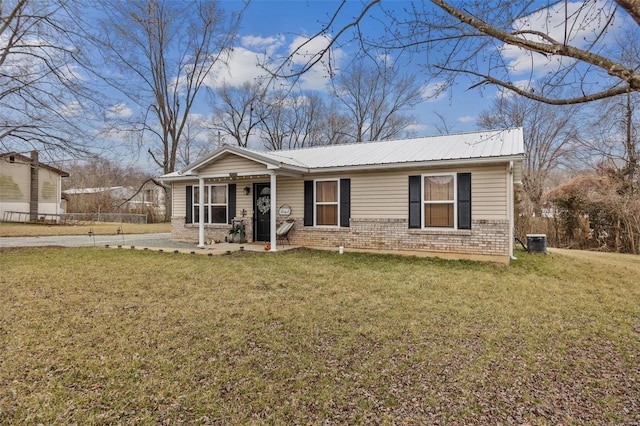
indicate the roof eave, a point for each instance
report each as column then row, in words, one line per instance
column 419, row 164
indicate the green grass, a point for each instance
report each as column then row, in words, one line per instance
column 95, row 336
column 8, row 229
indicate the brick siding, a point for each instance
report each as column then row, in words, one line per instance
column 485, row 238
column 189, row 232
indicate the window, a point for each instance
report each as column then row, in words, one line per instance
column 215, row 204
column 326, row 202
column 439, row 201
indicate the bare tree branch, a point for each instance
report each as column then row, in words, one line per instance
column 470, row 40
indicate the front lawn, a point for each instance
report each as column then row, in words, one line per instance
column 95, row 336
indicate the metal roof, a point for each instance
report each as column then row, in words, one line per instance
column 475, row 145
column 481, row 146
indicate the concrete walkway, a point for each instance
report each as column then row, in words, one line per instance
column 156, row 242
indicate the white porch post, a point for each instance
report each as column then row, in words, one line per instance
column 273, row 208
column 201, row 213
column 510, row 208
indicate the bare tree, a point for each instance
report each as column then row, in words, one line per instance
column 160, row 54
column 548, row 131
column 611, row 138
column 307, row 115
column 274, row 113
column 375, row 99
column 476, row 39
column 194, row 141
column 281, row 119
column 333, row 128
column 41, row 95
column 235, row 114
column 99, row 172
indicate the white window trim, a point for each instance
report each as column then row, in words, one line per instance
column 316, row 204
column 454, row 201
column 207, row 206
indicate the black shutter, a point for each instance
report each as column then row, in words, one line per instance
column 308, row 203
column 189, row 215
column 464, row 200
column 231, row 205
column 345, row 202
column 415, row 201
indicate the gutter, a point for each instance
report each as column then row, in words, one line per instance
column 356, row 168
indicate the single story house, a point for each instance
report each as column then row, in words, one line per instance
column 29, row 190
column 451, row 196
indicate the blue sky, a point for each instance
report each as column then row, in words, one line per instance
column 275, row 26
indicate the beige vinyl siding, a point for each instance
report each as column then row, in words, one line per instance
column 232, row 163
column 374, row 195
column 48, row 186
column 385, row 194
column 244, row 201
column 14, row 181
column 489, row 192
column 382, row 195
column 179, row 198
column 290, row 191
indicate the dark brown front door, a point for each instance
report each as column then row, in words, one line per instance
column 261, row 211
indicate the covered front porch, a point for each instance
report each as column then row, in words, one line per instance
column 252, row 204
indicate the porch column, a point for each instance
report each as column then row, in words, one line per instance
column 274, row 215
column 201, row 213
column 510, row 208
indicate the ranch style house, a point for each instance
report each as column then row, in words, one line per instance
column 450, row 196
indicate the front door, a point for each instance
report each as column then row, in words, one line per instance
column 261, row 212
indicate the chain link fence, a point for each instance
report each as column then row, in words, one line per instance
column 74, row 218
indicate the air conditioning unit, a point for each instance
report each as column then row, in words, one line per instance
column 537, row 243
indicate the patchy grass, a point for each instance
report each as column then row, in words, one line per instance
column 32, row 230
column 94, row 336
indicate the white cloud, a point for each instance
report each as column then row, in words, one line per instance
column 582, row 23
column 418, row 129
column 304, row 50
column 269, row 44
column 119, row 111
column 244, row 63
column 243, row 66
column 467, row 119
column 433, row 91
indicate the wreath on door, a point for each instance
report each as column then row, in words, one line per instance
column 263, row 204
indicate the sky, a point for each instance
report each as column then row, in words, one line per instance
column 277, row 26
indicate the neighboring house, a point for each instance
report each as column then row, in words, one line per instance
column 29, row 190
column 451, row 195
column 149, row 199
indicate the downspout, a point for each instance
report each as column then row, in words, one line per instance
column 511, row 207
column 33, row 188
column 201, row 213
column 272, row 221
column 58, row 198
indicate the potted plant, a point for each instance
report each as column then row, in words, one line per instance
column 237, row 233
